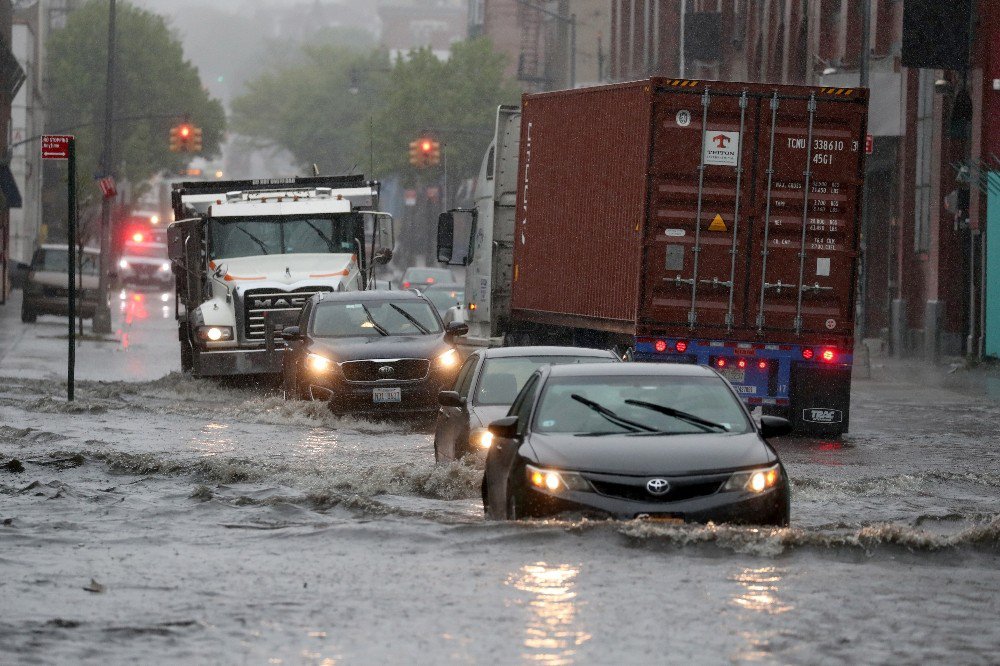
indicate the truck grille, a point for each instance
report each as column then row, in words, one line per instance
column 399, row 370
column 282, row 307
column 637, row 493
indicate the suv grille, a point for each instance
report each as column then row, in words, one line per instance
column 283, row 306
column 637, row 493
column 403, row 370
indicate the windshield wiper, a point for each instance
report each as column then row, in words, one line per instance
column 611, row 416
column 253, row 238
column 378, row 327
column 704, row 424
column 326, row 239
column 423, row 329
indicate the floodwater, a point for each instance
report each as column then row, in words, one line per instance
column 180, row 520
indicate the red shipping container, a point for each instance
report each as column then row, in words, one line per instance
column 691, row 209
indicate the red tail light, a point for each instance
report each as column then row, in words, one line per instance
column 807, row 354
column 741, row 363
column 681, row 346
column 828, row 355
column 762, row 365
column 721, row 363
column 660, row 346
column 430, row 280
column 406, row 285
column 137, row 237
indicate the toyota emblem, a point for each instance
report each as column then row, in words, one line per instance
column 658, row 486
column 386, row 371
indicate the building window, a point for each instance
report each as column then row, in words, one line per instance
column 925, row 141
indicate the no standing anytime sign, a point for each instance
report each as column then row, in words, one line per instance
column 55, row 146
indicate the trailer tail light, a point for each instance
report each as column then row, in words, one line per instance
column 138, row 237
column 828, row 355
column 660, row 346
column 742, row 363
column 681, row 346
column 762, row 365
column 807, row 354
column 721, row 362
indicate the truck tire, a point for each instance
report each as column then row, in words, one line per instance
column 27, row 316
column 187, row 357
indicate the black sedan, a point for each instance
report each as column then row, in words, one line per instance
column 370, row 351
column 635, row 440
column 486, row 385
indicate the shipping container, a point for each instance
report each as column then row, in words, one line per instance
column 692, row 208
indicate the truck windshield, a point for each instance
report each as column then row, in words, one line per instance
column 255, row 236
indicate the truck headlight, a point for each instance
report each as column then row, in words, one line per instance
column 447, row 360
column 481, row 438
column 754, row 480
column 318, row 363
column 122, row 263
column 165, row 266
column 555, row 481
column 215, row 333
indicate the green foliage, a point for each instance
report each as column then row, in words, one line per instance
column 155, row 88
column 307, row 107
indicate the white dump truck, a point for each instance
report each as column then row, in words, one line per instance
column 247, row 255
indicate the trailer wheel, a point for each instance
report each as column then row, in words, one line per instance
column 187, row 357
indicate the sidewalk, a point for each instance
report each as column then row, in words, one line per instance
column 142, row 347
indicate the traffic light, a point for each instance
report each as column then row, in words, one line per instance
column 425, row 152
column 185, row 138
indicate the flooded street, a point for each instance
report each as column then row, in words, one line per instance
column 175, row 519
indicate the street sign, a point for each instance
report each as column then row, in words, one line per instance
column 410, row 197
column 55, row 146
column 869, row 144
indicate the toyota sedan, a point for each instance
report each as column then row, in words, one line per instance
column 635, row 440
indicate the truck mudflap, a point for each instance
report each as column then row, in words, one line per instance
column 808, row 384
column 223, row 363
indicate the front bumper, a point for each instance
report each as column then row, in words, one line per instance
column 223, row 362
column 418, row 396
column 41, row 304
column 738, row 507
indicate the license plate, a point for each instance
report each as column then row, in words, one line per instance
column 661, row 519
column 734, row 376
column 380, row 395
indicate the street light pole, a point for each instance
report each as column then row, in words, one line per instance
column 865, row 75
column 102, row 315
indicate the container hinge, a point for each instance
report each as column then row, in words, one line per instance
column 798, row 324
column 678, row 280
column 716, row 282
column 779, row 285
column 692, row 318
column 815, row 287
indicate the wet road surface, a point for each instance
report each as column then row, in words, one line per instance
column 169, row 519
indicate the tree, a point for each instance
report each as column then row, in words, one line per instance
column 155, row 88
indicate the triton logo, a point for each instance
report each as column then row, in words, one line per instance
column 721, row 140
column 279, row 302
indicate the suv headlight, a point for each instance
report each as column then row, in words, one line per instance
column 447, row 360
column 215, row 333
column 318, row 363
column 165, row 266
column 555, row 481
column 755, row 480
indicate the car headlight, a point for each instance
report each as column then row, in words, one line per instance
column 318, row 363
column 481, row 438
column 165, row 266
column 122, row 263
column 215, row 333
column 754, row 480
column 553, row 481
column 447, row 360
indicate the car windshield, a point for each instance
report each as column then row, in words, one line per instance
column 374, row 319
column 57, row 261
column 254, row 236
column 445, row 298
column 502, row 378
column 152, row 250
column 638, row 404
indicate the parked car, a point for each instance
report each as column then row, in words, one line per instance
column 144, row 262
column 370, row 351
column 46, row 287
column 421, row 278
column 662, row 441
column 486, row 386
column 445, row 296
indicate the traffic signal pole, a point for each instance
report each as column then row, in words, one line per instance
column 102, row 314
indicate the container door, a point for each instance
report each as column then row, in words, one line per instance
column 802, row 279
column 701, row 210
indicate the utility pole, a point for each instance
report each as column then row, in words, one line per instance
column 102, row 315
column 572, row 51
column 864, row 67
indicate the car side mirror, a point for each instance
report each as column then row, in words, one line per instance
column 774, row 426
column 220, row 270
column 450, row 399
column 382, row 256
column 446, row 237
column 291, row 333
column 456, row 328
column 505, row 428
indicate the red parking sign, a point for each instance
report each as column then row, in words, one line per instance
column 55, row 146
